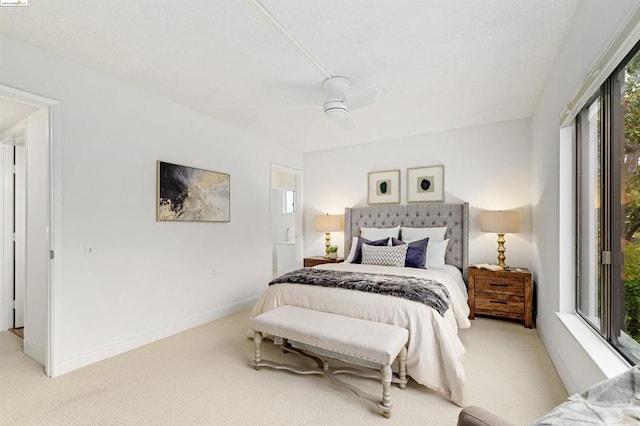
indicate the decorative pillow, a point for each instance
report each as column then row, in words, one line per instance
column 384, row 256
column 436, row 253
column 379, row 233
column 357, row 256
column 413, row 234
column 352, row 251
column 416, row 252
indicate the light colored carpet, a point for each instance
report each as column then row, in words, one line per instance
column 202, row 376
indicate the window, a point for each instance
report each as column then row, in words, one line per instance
column 589, row 231
column 288, row 202
column 608, row 209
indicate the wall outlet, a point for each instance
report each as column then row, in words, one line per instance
column 213, row 273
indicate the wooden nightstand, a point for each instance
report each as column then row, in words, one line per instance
column 319, row 260
column 505, row 294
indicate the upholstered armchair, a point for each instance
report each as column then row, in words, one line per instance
column 476, row 416
column 612, row 401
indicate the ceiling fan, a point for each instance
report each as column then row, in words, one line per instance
column 335, row 105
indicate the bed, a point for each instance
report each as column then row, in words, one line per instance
column 435, row 353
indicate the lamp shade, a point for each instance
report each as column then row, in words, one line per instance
column 329, row 223
column 500, row 222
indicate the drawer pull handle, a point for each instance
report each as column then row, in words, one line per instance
column 499, row 302
column 498, row 285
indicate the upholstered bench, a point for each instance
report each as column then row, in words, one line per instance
column 369, row 341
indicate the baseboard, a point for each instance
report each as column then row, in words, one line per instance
column 85, row 359
column 561, row 368
column 34, row 351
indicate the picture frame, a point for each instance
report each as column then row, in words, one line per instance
column 384, row 187
column 190, row 194
column 425, row 184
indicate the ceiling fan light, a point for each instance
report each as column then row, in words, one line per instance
column 336, row 114
column 336, row 110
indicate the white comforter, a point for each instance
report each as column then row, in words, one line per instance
column 435, row 352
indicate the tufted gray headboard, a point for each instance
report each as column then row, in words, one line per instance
column 454, row 216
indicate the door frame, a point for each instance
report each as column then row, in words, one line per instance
column 54, row 211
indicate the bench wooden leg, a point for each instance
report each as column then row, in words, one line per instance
column 257, row 340
column 385, row 377
column 402, row 367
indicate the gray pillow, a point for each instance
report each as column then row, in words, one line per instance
column 384, row 255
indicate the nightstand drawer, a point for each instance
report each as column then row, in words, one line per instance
column 320, row 260
column 499, row 303
column 499, row 285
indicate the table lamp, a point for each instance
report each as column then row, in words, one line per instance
column 501, row 222
column 329, row 223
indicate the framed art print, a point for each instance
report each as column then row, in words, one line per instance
column 425, row 184
column 190, row 194
column 384, row 187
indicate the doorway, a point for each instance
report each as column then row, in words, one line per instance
column 286, row 219
column 13, row 210
column 15, row 227
column 26, row 219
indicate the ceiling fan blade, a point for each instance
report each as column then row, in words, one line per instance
column 316, row 107
column 345, row 123
column 367, row 97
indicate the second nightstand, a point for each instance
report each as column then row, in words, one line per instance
column 319, row 260
column 505, row 294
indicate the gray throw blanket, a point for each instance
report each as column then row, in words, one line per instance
column 429, row 292
column 610, row 402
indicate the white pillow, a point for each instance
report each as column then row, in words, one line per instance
column 384, row 255
column 352, row 251
column 374, row 234
column 409, row 235
column 436, row 251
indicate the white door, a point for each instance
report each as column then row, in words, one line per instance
column 19, row 232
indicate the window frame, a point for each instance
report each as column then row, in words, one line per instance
column 288, row 195
column 578, row 206
column 612, row 214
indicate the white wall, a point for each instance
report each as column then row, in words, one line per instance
column 487, row 166
column 594, row 26
column 147, row 279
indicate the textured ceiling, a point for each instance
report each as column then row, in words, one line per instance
column 438, row 64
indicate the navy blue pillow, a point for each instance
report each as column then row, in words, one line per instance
column 416, row 252
column 357, row 255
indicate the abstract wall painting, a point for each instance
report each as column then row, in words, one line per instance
column 425, row 184
column 384, row 187
column 191, row 194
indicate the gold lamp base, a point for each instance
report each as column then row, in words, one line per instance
column 327, row 243
column 501, row 250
